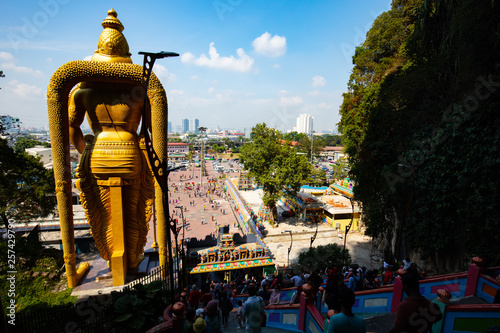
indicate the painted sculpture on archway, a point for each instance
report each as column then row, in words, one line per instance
column 115, row 179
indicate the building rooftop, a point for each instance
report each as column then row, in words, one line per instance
column 178, row 144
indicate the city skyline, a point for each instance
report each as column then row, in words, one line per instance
column 241, row 63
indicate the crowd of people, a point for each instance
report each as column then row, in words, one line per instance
column 206, row 308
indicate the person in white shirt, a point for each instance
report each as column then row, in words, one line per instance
column 297, row 281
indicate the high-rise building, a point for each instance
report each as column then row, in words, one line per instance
column 305, row 123
column 194, row 124
column 185, row 125
column 169, row 127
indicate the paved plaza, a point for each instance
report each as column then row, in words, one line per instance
column 203, row 212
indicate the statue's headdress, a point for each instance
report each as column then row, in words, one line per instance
column 112, row 46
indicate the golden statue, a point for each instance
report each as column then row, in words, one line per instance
column 115, row 179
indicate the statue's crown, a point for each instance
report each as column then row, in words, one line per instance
column 112, row 45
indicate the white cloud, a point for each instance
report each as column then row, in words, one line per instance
column 163, row 73
column 9, row 64
column 270, row 46
column 291, row 101
column 195, row 77
column 241, row 63
column 177, row 92
column 324, row 105
column 318, row 81
column 211, row 90
column 276, row 66
column 187, row 57
column 21, row 69
column 24, row 90
column 5, row 56
column 314, row 93
column 211, row 82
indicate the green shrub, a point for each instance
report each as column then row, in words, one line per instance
column 33, row 291
column 322, row 257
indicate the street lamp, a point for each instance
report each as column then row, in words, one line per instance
column 348, row 227
column 202, row 158
column 313, row 238
column 155, row 244
column 312, row 144
column 290, row 248
column 183, row 256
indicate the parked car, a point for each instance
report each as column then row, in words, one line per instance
column 287, row 213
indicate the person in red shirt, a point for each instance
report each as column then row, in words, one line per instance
column 206, row 297
column 416, row 313
column 388, row 276
column 194, row 297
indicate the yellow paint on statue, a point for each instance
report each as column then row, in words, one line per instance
column 115, row 179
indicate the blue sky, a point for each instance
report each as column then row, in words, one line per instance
column 242, row 61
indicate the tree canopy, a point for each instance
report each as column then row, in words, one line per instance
column 27, row 142
column 275, row 165
column 316, row 178
column 340, row 169
column 332, row 140
column 27, row 189
column 323, row 257
column 303, row 142
column 420, row 127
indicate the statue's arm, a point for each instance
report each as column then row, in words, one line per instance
column 76, row 116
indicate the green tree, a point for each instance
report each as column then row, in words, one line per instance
column 333, row 140
column 27, row 142
column 421, row 131
column 27, row 189
column 294, row 136
column 316, row 178
column 305, row 142
column 340, row 169
column 322, row 257
column 274, row 165
column 1, row 75
column 383, row 53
